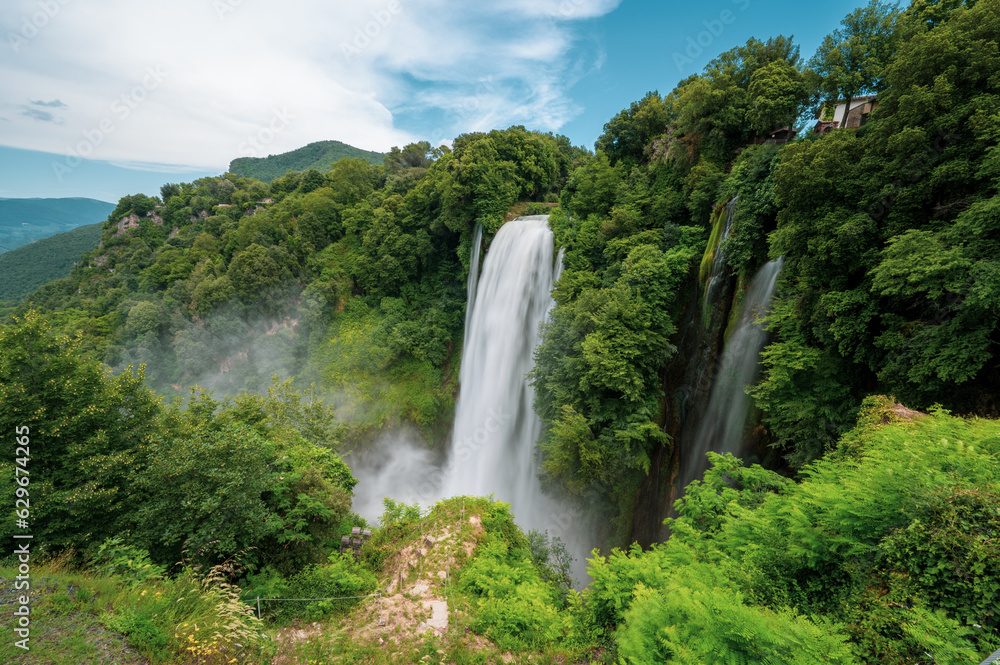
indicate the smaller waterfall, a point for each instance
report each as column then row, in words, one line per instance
column 475, row 251
column 717, row 275
column 721, row 427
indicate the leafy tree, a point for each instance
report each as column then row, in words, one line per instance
column 205, row 493
column 629, row 134
column 777, row 95
column 89, row 433
column 852, row 60
column 252, row 271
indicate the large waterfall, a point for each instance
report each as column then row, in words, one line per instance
column 492, row 449
column 493, row 441
column 496, row 428
column 721, row 428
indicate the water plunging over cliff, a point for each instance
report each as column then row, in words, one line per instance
column 721, row 428
column 493, row 441
column 492, row 448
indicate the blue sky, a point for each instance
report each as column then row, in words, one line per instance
column 109, row 97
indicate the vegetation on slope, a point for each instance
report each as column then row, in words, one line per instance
column 354, row 278
column 888, row 231
column 883, row 553
column 321, row 155
column 881, row 550
column 26, row 268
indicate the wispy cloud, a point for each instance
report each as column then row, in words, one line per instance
column 40, row 115
column 54, row 104
column 420, row 71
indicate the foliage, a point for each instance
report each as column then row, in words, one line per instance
column 762, row 569
column 114, row 557
column 520, row 602
column 190, row 618
column 26, row 268
column 742, row 92
column 597, row 371
column 319, row 155
column 90, row 430
column 628, row 137
column 852, row 60
column 889, row 281
column 336, row 584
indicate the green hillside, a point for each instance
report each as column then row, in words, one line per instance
column 867, row 533
column 319, row 155
column 26, row 220
column 26, row 268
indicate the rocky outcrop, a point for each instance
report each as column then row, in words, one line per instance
column 127, row 222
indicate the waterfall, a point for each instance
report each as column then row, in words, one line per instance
column 496, row 428
column 492, row 449
column 721, row 427
column 717, row 276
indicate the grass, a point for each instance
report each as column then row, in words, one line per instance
column 81, row 617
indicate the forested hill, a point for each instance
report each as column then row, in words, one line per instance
column 319, row 155
column 876, row 542
column 354, row 277
column 28, row 267
column 25, row 220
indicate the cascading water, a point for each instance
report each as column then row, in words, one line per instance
column 717, row 276
column 496, row 427
column 493, row 441
column 721, row 427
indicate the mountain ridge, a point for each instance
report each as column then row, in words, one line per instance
column 318, row 155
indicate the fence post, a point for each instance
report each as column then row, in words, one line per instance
column 258, row 608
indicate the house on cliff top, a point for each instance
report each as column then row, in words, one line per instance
column 830, row 113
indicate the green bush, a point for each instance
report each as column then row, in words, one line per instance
column 114, row 557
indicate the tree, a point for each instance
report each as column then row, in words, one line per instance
column 253, row 271
column 629, row 134
column 88, row 430
column 852, row 60
column 777, row 95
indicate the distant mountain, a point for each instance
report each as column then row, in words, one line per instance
column 26, row 220
column 319, row 155
column 24, row 269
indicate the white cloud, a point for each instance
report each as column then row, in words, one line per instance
column 199, row 82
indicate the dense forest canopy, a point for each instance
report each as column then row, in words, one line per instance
column 874, row 543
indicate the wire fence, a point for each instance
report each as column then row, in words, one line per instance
column 259, row 600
